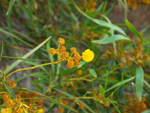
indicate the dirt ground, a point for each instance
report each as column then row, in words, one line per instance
column 139, row 17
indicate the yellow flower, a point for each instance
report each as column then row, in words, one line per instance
column 88, row 55
column 42, row 110
column 6, row 110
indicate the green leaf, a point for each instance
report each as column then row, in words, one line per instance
column 139, row 82
column 93, row 72
column 9, row 91
column 38, row 82
column 109, row 25
column 110, row 39
column 147, row 111
column 81, row 63
column 133, row 30
column 100, row 22
column 39, row 75
column 102, row 91
column 41, row 88
column 120, row 83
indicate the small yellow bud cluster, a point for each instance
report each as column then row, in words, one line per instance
column 91, row 5
column 52, row 51
column 101, row 99
column 72, row 58
column 12, row 105
column 61, row 110
column 61, row 41
column 133, row 3
column 81, row 105
column 128, row 61
column 134, row 105
column 106, row 103
column 16, row 106
column 10, row 84
column 135, row 55
column 89, row 35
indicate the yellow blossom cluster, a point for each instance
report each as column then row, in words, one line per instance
column 11, row 84
column 133, row 3
column 136, row 55
column 134, row 105
column 89, row 35
column 72, row 58
column 90, row 5
column 19, row 105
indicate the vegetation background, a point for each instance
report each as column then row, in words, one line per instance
column 40, row 41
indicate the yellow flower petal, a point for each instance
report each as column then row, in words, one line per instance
column 6, row 110
column 87, row 55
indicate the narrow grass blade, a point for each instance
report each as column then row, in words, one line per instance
column 98, row 9
column 10, row 57
column 38, row 75
column 2, row 51
column 146, row 83
column 145, row 28
column 25, row 36
column 120, row 83
column 49, row 98
column 102, row 91
column 9, row 91
column 25, row 56
column 133, row 30
column 100, row 22
column 64, row 93
column 106, row 81
column 115, row 106
column 11, row 3
column 16, row 37
column 50, row 56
